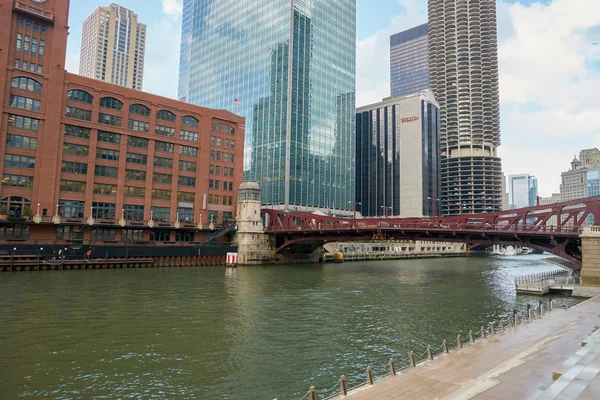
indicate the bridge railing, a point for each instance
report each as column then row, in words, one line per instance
column 512, row 320
column 526, row 279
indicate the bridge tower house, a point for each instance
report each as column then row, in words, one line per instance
column 590, row 269
column 254, row 245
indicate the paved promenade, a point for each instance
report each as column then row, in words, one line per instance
column 515, row 364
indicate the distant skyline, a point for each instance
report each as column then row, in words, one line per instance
column 549, row 70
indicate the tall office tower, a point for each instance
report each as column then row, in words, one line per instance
column 409, row 61
column 523, row 191
column 397, row 157
column 288, row 66
column 113, row 43
column 463, row 73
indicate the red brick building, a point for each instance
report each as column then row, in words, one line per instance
column 143, row 167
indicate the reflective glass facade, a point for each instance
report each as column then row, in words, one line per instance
column 300, row 135
column 409, row 61
column 397, row 158
column 523, row 191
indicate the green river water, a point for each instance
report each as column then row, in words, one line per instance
column 246, row 333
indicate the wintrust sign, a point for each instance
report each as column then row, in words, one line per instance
column 409, row 119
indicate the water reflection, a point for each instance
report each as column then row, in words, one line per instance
column 251, row 333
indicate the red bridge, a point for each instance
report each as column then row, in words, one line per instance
column 554, row 228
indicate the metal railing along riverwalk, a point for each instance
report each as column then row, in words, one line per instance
column 513, row 320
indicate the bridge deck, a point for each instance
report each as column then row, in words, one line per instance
column 516, row 364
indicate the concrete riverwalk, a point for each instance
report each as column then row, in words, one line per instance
column 515, row 364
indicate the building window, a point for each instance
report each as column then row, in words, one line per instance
column 25, row 103
column 14, row 232
column 133, row 191
column 104, row 210
column 187, row 181
column 21, row 142
column 42, row 49
column 186, row 196
column 26, row 44
column 163, row 162
column 161, row 194
column 72, row 186
column 134, row 212
column 78, row 113
column 102, row 188
column 112, row 103
column 132, row 235
column 190, row 121
column 135, row 158
column 164, row 147
column 165, row 131
column 70, row 167
column 109, row 137
column 19, row 41
column 24, row 83
column 187, row 166
column 161, row 214
column 71, row 208
column 139, row 125
column 165, row 115
column 137, row 142
column 186, row 215
column 16, row 161
column 188, row 151
column 166, row 179
column 80, row 95
column 17, row 121
column 69, row 233
column 17, row 63
column 139, row 109
column 77, row 131
column 104, row 234
column 160, row 236
column 184, row 236
column 75, row 150
column 135, row 175
column 17, row 181
column 106, row 154
column 213, row 199
column 189, row 136
column 106, row 172
column 109, row 119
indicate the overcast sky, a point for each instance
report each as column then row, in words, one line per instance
column 549, row 70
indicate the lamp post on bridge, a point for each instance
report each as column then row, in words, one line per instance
column 355, row 204
column 434, row 205
column 385, row 208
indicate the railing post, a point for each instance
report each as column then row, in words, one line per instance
column 501, row 325
column 369, row 376
column 412, row 359
column 492, row 329
column 343, row 388
column 471, row 336
column 429, row 352
column 392, row 367
column 541, row 312
column 459, row 341
column 517, row 319
column 551, row 304
column 530, row 315
column 313, row 393
column 445, row 346
column 482, row 332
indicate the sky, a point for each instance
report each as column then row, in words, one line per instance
column 549, row 70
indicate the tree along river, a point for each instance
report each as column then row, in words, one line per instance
column 245, row 333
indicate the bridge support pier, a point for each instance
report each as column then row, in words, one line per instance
column 590, row 269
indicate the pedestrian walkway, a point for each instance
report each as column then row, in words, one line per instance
column 515, row 364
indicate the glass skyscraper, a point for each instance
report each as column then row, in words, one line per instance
column 288, row 66
column 523, row 191
column 409, row 61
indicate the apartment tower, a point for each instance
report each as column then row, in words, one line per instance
column 113, row 43
column 463, row 73
column 288, row 66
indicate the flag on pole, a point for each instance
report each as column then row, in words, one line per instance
column 237, row 101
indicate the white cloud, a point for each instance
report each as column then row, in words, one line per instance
column 549, row 78
column 172, row 6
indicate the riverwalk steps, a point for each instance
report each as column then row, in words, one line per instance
column 517, row 363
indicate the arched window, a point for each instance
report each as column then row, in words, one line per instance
column 111, row 102
column 165, row 115
column 80, row 95
column 190, row 121
column 139, row 109
column 25, row 83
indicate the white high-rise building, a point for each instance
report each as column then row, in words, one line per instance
column 463, row 75
column 113, row 43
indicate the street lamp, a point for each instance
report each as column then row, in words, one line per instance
column 385, row 208
column 433, row 205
